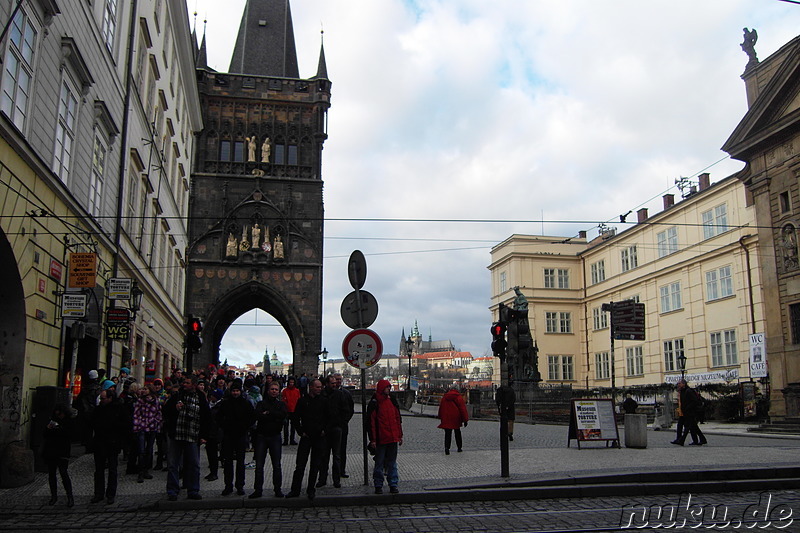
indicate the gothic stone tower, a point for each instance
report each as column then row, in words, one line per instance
column 255, row 207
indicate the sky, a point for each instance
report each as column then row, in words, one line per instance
column 457, row 123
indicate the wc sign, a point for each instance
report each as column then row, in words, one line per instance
column 758, row 356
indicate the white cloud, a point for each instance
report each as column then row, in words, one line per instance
column 510, row 110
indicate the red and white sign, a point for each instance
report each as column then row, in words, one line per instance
column 362, row 348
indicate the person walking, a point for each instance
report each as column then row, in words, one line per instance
column 234, row 416
column 689, row 405
column 110, row 424
column 312, row 415
column 146, row 426
column 452, row 414
column 385, row 430
column 56, row 449
column 290, row 395
column 187, row 418
column 270, row 414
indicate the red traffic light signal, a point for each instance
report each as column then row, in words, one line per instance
column 499, row 340
column 195, row 326
column 498, row 330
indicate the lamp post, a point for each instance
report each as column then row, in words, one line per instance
column 409, row 344
column 324, row 360
column 135, row 301
column 682, row 365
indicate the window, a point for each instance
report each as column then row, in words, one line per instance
column 786, row 204
column 560, row 367
column 65, row 130
column 279, row 152
column 291, row 154
column 109, row 23
column 18, row 69
column 598, row 272
column 667, row 241
column 600, row 318
column 602, row 365
column 794, row 322
column 673, row 350
column 97, row 178
column 671, row 297
column 558, row 322
column 502, row 282
column 630, row 259
column 224, row 150
column 238, row 151
column 719, row 283
column 634, row 360
column 715, row 221
column 556, row 278
column 723, row 348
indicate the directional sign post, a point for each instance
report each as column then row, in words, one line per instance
column 82, row 270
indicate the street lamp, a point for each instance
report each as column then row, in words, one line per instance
column 682, row 365
column 324, row 353
column 135, row 301
column 409, row 344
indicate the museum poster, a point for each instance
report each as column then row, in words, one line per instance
column 592, row 420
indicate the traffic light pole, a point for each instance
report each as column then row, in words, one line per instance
column 504, row 462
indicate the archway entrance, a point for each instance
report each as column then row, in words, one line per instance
column 257, row 338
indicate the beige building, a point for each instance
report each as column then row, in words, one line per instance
column 694, row 266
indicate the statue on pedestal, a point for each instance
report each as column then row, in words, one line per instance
column 231, row 250
column 256, row 236
column 266, row 149
column 278, row 247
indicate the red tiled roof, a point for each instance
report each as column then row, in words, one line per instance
column 444, row 355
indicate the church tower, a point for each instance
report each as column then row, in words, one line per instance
column 255, row 206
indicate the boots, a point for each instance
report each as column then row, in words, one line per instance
column 70, row 500
column 53, row 499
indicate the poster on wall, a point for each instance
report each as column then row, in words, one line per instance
column 593, row 420
column 758, row 355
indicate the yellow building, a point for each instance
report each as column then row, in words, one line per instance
column 694, row 266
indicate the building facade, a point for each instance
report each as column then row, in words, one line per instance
column 98, row 111
column 693, row 266
column 768, row 140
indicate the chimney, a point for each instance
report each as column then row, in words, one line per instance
column 669, row 200
column 641, row 215
column 705, row 180
column 582, row 234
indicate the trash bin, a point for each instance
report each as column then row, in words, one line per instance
column 475, row 402
column 635, row 431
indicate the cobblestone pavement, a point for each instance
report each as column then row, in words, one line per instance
column 538, row 451
column 775, row 511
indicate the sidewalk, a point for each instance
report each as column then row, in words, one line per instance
column 539, row 454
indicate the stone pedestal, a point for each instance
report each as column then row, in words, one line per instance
column 16, row 465
column 636, row 431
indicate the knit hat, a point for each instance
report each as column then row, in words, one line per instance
column 92, row 374
column 158, row 381
column 107, row 384
column 236, row 385
column 125, row 370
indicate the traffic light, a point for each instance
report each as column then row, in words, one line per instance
column 193, row 329
column 499, row 340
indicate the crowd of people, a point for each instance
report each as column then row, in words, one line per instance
column 162, row 425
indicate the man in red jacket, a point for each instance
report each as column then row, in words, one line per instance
column 385, row 435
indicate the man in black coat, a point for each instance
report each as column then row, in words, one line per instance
column 270, row 413
column 235, row 415
column 340, row 413
column 110, row 424
column 312, row 416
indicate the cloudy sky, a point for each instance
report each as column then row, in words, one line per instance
column 455, row 123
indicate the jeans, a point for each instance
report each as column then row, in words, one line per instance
column 316, row 447
column 233, row 448
column 61, row 466
column 271, row 444
column 184, row 454
column 105, row 457
column 145, row 440
column 289, row 428
column 386, row 458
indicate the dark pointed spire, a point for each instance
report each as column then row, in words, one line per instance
column 265, row 43
column 322, row 67
column 202, row 56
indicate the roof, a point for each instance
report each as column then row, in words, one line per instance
column 265, row 42
column 444, row 355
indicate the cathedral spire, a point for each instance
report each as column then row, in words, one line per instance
column 322, row 67
column 201, row 60
column 265, row 43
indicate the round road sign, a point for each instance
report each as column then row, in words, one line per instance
column 362, row 348
column 359, row 314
